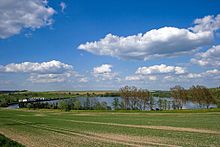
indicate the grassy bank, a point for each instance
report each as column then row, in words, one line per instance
column 126, row 111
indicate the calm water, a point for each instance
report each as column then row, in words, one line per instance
column 109, row 101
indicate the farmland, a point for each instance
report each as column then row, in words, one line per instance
column 111, row 128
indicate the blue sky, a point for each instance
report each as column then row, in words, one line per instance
column 44, row 47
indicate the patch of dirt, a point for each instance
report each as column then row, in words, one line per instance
column 88, row 138
column 40, row 114
column 22, row 115
column 168, row 128
column 146, row 140
column 46, row 137
column 16, row 136
column 85, row 114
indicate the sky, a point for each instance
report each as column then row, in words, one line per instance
column 106, row 44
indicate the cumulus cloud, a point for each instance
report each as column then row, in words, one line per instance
column 156, row 72
column 133, row 78
column 205, row 76
column 211, row 57
column 166, row 41
column 214, row 73
column 167, row 76
column 83, row 80
column 155, row 43
column 44, row 72
column 207, row 23
column 49, row 78
column 141, row 77
column 63, row 6
column 104, row 72
column 104, row 68
column 53, row 66
column 20, row 14
column 158, row 69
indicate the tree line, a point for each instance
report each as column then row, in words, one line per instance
column 67, row 105
column 134, row 98
column 196, row 94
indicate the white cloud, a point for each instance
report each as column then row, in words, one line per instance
column 44, row 72
column 160, row 69
column 104, row 68
column 166, row 41
column 152, row 78
column 207, row 23
column 206, row 75
column 49, row 78
column 168, row 78
column 63, row 6
column 104, row 72
column 53, row 66
column 133, row 78
column 214, row 71
column 156, row 72
column 141, row 78
column 83, row 80
column 19, row 14
column 194, row 75
column 209, row 58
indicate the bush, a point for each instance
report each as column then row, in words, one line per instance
column 63, row 105
column 6, row 142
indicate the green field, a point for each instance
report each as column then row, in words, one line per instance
column 87, row 128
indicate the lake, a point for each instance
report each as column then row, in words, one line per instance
column 109, row 101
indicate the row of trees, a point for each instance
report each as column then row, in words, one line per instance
column 141, row 99
column 197, row 94
column 93, row 104
column 134, row 98
column 67, row 105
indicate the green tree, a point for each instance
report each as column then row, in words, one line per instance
column 77, row 105
column 115, row 103
column 101, row 106
column 87, row 104
column 29, row 106
column 152, row 103
column 160, row 104
column 63, row 105
column 122, row 105
column 165, row 104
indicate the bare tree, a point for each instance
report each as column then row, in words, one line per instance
column 179, row 95
column 144, row 96
column 134, row 98
column 125, row 95
column 201, row 95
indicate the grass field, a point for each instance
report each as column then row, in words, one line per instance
column 86, row 128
